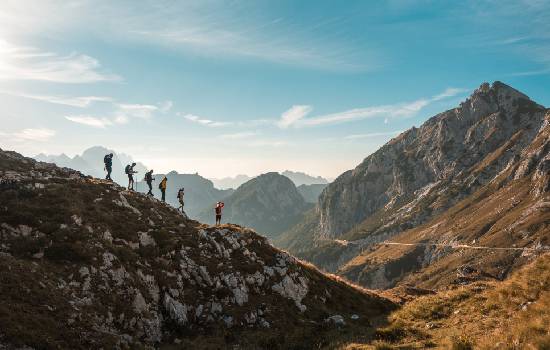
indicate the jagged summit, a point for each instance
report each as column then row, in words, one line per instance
column 86, row 264
column 444, row 146
column 419, row 176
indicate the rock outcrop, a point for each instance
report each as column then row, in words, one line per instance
column 86, row 264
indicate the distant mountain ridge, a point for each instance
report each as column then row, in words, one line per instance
column 300, row 178
column 230, row 182
column 91, row 163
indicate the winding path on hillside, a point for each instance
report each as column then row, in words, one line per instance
column 444, row 245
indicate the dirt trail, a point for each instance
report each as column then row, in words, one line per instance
column 446, row 245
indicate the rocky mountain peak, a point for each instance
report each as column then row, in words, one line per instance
column 459, row 148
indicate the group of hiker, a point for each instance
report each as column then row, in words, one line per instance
column 129, row 170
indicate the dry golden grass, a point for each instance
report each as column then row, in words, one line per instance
column 513, row 314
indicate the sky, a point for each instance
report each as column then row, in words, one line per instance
column 245, row 87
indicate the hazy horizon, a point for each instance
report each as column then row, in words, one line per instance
column 228, row 88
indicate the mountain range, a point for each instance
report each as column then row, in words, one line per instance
column 230, row 182
column 451, row 220
column 91, row 163
column 299, row 179
column 473, row 176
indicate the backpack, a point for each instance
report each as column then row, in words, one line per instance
column 160, row 185
column 127, row 169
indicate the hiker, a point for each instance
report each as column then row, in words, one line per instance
column 108, row 160
column 218, row 210
column 181, row 193
column 162, row 188
column 129, row 170
column 149, row 179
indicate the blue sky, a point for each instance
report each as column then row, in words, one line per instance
column 233, row 87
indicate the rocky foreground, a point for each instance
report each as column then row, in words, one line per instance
column 86, row 264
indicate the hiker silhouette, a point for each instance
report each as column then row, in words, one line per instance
column 149, row 180
column 108, row 161
column 218, row 210
column 162, row 188
column 129, row 170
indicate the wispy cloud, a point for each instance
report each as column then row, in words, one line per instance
column 90, row 121
column 371, row 135
column 40, row 135
column 29, row 63
column 79, row 101
column 544, row 71
column 122, row 114
column 204, row 28
column 203, row 121
column 142, row 111
column 449, row 92
column 165, row 106
column 296, row 116
column 239, row 135
column 293, row 115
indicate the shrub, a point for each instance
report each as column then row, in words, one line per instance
column 71, row 252
column 393, row 332
column 461, row 343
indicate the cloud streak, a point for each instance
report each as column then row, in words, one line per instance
column 206, row 122
column 90, row 121
column 80, row 101
column 207, row 29
column 122, row 114
column 371, row 135
column 30, row 63
column 295, row 117
column 239, row 135
column 32, row 134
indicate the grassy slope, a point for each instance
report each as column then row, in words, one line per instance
column 514, row 314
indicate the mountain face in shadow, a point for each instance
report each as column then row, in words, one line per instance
column 199, row 192
column 269, row 203
column 311, row 192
